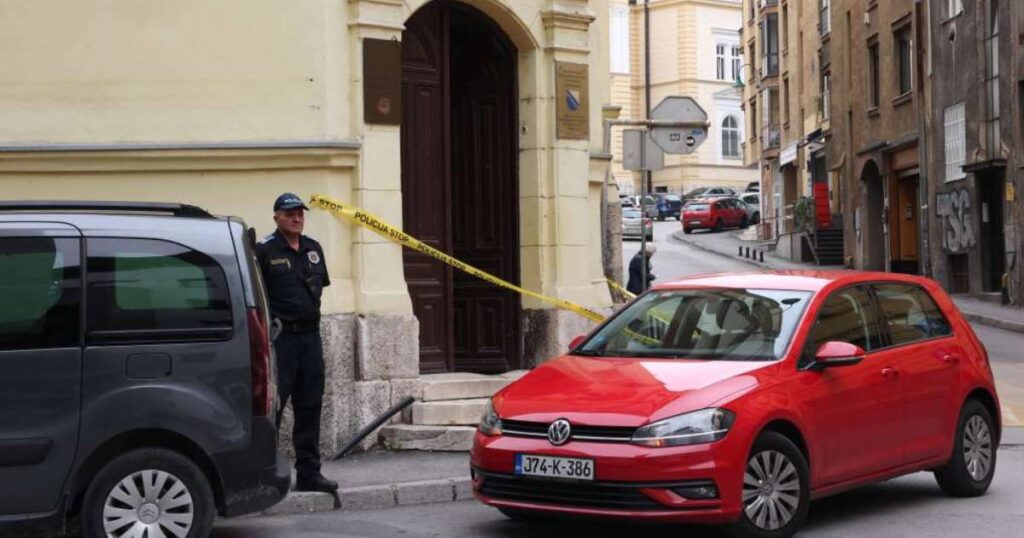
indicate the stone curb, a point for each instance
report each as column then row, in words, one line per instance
column 376, row 497
column 679, row 236
column 993, row 322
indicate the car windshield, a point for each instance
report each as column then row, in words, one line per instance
column 630, row 213
column 723, row 324
column 697, row 207
column 672, row 197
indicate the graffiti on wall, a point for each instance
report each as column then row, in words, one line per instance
column 954, row 210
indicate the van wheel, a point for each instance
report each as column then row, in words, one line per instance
column 152, row 491
column 776, row 489
column 973, row 463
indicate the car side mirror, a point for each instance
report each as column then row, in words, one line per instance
column 575, row 342
column 838, row 354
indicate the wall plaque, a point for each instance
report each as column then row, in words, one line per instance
column 382, row 82
column 572, row 91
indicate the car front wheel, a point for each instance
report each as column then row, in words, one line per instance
column 776, row 489
column 970, row 470
column 148, row 492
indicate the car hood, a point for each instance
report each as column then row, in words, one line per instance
column 625, row 392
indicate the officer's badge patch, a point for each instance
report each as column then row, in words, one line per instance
column 314, row 257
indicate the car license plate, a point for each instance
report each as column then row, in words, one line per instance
column 694, row 222
column 551, row 467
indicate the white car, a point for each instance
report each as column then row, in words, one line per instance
column 753, row 202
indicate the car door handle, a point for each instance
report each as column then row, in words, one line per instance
column 890, row 372
column 951, row 359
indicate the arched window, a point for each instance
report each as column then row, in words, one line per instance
column 730, row 138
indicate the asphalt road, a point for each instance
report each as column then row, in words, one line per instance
column 676, row 259
column 911, row 506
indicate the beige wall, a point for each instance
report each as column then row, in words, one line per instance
column 279, row 84
column 684, row 35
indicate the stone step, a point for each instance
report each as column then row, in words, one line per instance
column 419, row 437
column 449, row 412
column 440, row 387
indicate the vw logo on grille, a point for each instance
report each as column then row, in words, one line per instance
column 559, row 432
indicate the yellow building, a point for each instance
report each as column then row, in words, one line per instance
column 475, row 125
column 695, row 51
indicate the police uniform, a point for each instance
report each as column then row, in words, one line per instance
column 295, row 280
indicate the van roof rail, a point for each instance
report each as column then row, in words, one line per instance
column 178, row 210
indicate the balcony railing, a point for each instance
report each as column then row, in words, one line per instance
column 769, row 3
column 771, row 137
column 825, row 21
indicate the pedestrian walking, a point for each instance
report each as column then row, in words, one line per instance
column 640, row 262
column 295, row 273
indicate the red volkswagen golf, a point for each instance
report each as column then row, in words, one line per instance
column 737, row 399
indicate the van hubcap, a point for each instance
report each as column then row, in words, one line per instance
column 771, row 490
column 977, row 448
column 148, row 504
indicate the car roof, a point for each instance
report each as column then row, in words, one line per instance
column 801, row 280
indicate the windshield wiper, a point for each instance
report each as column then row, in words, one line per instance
column 588, row 353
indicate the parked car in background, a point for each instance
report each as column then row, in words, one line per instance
column 648, row 203
column 753, row 203
column 714, row 214
column 627, row 201
column 635, row 223
column 708, row 192
column 137, row 382
column 669, row 205
column 754, row 186
column 737, row 399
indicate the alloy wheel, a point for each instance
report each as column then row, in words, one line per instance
column 977, row 448
column 771, row 490
column 148, row 504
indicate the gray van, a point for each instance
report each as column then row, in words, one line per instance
column 137, row 387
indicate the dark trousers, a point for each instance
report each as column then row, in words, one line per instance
column 300, row 376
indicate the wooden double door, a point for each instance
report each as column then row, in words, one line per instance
column 460, row 187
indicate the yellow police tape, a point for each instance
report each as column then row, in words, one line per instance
column 623, row 291
column 376, row 224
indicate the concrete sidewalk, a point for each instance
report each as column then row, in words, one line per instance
column 1008, row 318
column 728, row 244
column 378, row 480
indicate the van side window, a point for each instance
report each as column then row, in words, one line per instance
column 152, row 285
column 847, row 316
column 910, row 314
column 40, row 292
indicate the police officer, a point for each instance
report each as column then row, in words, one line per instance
column 295, row 273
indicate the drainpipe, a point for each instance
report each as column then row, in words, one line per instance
column 924, row 215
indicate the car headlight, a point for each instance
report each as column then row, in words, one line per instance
column 490, row 423
column 702, row 426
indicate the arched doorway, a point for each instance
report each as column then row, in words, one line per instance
column 873, row 223
column 460, row 186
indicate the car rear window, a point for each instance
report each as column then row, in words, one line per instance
column 40, row 293
column 153, row 285
column 631, row 213
column 697, row 207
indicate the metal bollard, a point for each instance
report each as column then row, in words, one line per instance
column 761, row 256
column 747, row 254
column 739, row 250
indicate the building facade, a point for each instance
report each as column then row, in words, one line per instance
column 977, row 65
column 695, row 51
column 880, row 123
column 475, row 126
column 787, row 90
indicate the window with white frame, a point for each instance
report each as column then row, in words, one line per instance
column 955, row 142
column 730, row 138
column 954, row 8
column 737, row 61
column 619, row 35
column 720, row 61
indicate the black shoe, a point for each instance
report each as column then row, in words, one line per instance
column 316, row 482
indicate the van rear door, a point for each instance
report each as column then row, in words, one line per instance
column 40, row 362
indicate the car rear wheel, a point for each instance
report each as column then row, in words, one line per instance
column 743, row 222
column 776, row 489
column 148, row 492
column 718, row 225
column 970, row 470
column 687, row 230
column 756, row 219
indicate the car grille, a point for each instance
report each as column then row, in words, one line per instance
column 600, row 434
column 581, row 495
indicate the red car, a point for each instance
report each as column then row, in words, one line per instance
column 737, row 399
column 714, row 214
